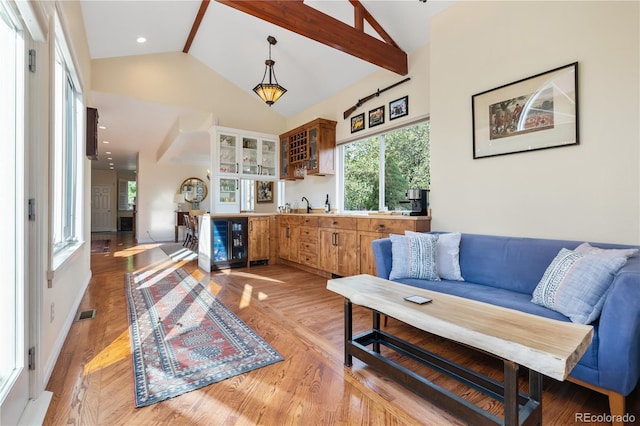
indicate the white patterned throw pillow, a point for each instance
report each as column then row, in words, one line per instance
column 447, row 255
column 413, row 257
column 576, row 285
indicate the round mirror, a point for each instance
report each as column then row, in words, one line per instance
column 194, row 190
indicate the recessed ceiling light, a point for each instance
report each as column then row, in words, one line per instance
column 102, row 127
column 109, row 158
column 141, row 39
column 108, row 152
column 105, row 141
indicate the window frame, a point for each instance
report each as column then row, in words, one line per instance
column 381, row 135
column 67, row 161
column 12, row 252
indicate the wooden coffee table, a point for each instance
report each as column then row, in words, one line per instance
column 545, row 346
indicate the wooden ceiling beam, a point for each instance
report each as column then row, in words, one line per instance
column 309, row 22
column 361, row 12
column 196, row 25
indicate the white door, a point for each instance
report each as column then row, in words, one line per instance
column 101, row 208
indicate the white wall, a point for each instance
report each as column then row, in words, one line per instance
column 586, row 192
column 157, row 184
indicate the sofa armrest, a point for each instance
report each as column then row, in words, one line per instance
column 619, row 331
column 382, row 256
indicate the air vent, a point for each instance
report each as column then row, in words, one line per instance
column 84, row 315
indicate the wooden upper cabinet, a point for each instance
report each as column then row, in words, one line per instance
column 311, row 147
column 322, row 147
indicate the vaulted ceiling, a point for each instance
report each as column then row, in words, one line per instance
column 233, row 43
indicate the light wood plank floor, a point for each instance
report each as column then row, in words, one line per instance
column 93, row 379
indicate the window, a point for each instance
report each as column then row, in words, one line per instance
column 377, row 171
column 67, row 151
column 127, row 190
column 247, row 198
column 12, row 109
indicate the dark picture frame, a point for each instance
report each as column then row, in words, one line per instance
column 264, row 191
column 537, row 112
column 376, row 116
column 399, row 108
column 357, row 123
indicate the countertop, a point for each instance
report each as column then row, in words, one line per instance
column 373, row 215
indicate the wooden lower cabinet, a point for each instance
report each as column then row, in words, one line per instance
column 373, row 228
column 288, row 237
column 338, row 245
column 367, row 262
column 259, row 236
column 338, row 251
column 308, row 246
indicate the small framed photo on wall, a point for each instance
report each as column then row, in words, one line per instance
column 264, row 192
column 399, row 108
column 357, row 123
column 376, row 116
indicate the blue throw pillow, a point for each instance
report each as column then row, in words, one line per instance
column 576, row 285
column 414, row 257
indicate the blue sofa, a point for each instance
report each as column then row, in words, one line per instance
column 505, row 271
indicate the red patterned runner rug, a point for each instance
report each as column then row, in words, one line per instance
column 183, row 338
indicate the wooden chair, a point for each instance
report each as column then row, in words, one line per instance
column 188, row 233
column 194, row 232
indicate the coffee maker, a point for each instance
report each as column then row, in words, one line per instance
column 419, row 199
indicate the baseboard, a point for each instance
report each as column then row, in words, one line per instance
column 36, row 410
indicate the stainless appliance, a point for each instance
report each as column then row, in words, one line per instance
column 419, row 200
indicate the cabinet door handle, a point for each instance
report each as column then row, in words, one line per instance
column 237, row 167
column 286, row 232
column 237, row 184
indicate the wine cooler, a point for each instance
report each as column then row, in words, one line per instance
column 229, row 240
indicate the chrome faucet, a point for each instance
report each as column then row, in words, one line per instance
column 308, row 205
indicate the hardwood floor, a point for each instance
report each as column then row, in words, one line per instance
column 92, row 382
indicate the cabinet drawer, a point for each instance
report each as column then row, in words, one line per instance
column 309, row 246
column 309, row 221
column 337, row 222
column 309, row 258
column 385, row 226
column 308, row 234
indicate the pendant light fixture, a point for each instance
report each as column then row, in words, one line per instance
column 271, row 91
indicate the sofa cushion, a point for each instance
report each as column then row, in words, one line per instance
column 576, row 285
column 413, row 257
column 512, row 263
column 586, row 248
column 447, row 255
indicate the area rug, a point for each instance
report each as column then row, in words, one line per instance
column 177, row 252
column 183, row 338
column 100, row 246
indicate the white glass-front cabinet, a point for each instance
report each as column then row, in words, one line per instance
column 227, row 153
column 239, row 154
column 227, row 195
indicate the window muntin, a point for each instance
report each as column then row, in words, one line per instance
column 378, row 170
